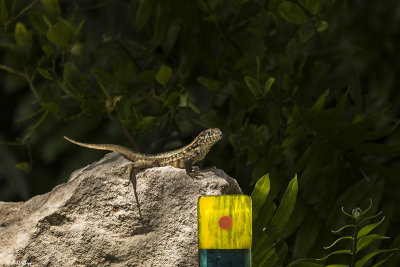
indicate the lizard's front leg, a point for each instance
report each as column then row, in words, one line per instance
column 189, row 171
column 200, row 164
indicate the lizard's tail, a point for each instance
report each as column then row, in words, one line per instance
column 127, row 153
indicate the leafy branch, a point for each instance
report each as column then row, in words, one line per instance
column 24, row 76
column 360, row 238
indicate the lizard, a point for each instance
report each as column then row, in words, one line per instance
column 183, row 158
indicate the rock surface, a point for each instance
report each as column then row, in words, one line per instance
column 93, row 219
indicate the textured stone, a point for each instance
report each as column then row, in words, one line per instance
column 93, row 219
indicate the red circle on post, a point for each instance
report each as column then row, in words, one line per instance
column 225, row 222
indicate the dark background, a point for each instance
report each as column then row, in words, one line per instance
column 307, row 87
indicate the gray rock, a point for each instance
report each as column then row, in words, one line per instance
column 93, row 219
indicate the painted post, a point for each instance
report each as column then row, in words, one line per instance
column 224, row 230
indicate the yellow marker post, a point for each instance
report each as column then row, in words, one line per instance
column 225, row 232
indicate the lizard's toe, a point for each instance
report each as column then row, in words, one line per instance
column 196, row 175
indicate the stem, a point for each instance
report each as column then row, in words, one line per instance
column 11, row 70
column 354, row 247
column 128, row 53
column 32, row 87
column 22, row 12
column 25, row 76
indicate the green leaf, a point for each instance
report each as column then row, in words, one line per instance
column 342, row 228
column 338, row 240
column 304, row 262
column 337, row 265
column 162, row 20
column 314, row 6
column 148, row 122
column 211, row 18
column 53, row 108
column 240, row 94
column 354, row 84
column 370, row 217
column 269, row 258
column 242, row 63
column 292, row 13
column 268, row 84
column 24, row 166
column 172, row 99
column 79, row 28
column 366, row 229
column 143, row 13
column 322, row 26
column 172, row 34
column 45, row 74
column 282, row 215
column 214, row 3
column 73, row 78
column 253, row 85
column 147, row 77
column 295, row 136
column 364, row 241
column 306, row 235
column 105, row 80
column 52, row 6
column 291, row 49
column 380, row 150
column 260, row 194
column 367, row 257
column 212, row 85
column 348, row 214
column 123, row 69
column 47, row 50
column 317, row 107
column 382, row 261
column 203, row 5
column 341, row 103
column 37, row 23
column 286, row 206
column 77, row 49
column 365, row 136
column 23, row 37
column 193, row 107
column 368, row 208
column 61, row 34
column 163, row 75
column 184, row 101
column 343, row 251
column 3, row 12
column 262, row 219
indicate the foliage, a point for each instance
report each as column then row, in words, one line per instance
column 360, row 239
column 300, row 86
column 268, row 222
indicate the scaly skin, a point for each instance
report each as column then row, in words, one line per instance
column 183, row 158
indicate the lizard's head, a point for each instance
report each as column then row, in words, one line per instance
column 209, row 136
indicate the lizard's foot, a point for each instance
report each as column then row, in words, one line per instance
column 196, row 175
